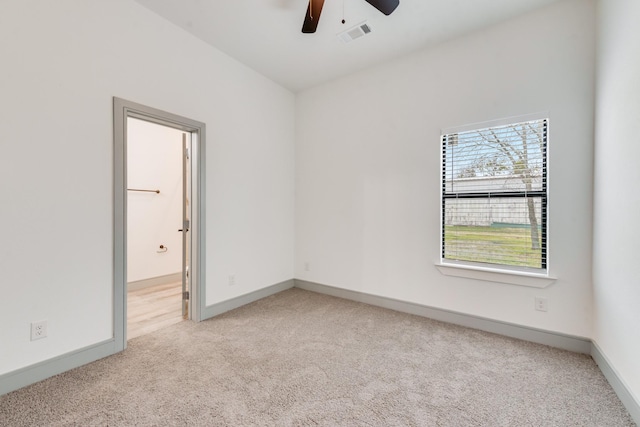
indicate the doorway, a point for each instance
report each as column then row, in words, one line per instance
column 158, row 216
column 158, row 207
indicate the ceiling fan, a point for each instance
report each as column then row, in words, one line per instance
column 315, row 8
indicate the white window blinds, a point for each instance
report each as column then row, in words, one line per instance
column 494, row 195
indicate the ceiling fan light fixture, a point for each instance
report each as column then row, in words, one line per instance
column 355, row 32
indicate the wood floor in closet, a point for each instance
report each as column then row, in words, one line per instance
column 153, row 308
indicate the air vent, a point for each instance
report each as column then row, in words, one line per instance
column 353, row 33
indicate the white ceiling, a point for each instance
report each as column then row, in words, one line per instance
column 266, row 34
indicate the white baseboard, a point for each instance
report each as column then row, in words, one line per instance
column 553, row 339
column 154, row 281
column 39, row 371
column 616, row 382
column 224, row 306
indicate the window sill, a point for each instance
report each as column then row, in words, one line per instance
column 493, row 275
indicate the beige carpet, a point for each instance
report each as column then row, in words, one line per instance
column 300, row 358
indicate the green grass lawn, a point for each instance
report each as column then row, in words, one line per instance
column 493, row 245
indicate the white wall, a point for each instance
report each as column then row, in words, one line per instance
column 616, row 270
column 368, row 165
column 154, row 162
column 62, row 62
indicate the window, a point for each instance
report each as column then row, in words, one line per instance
column 494, row 196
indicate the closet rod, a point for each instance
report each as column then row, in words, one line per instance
column 144, row 191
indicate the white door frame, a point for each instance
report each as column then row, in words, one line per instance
column 122, row 110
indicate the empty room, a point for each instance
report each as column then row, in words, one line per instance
column 390, row 213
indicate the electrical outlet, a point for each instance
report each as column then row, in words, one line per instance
column 232, row 279
column 307, row 266
column 542, row 304
column 38, row 330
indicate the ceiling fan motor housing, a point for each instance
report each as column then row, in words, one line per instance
column 314, row 9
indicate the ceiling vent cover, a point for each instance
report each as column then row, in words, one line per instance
column 353, row 33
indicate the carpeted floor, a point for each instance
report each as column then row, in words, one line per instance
column 301, row 358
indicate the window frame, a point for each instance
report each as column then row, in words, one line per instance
column 520, row 275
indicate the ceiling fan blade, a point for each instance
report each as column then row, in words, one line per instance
column 384, row 6
column 313, row 16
